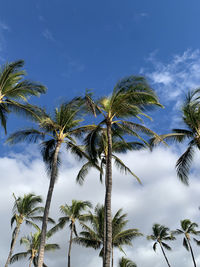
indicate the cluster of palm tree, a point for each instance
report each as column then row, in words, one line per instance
column 119, row 128
column 26, row 210
column 162, row 234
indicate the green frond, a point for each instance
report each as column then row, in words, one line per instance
column 18, row 256
column 183, row 164
column 124, row 262
column 28, row 135
column 123, row 168
column 166, row 246
column 185, row 244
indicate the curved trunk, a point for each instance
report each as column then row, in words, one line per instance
column 47, row 206
column 191, row 251
column 107, row 208
column 70, row 246
column 164, row 255
column 13, row 245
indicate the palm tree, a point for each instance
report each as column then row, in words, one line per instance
column 72, row 214
column 129, row 99
column 119, row 145
column 94, row 237
column 190, row 118
column 187, row 229
column 58, row 129
column 14, row 91
column 160, row 235
column 25, row 210
column 124, row 262
column 32, row 242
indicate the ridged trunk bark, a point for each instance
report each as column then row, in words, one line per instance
column 107, row 207
column 70, row 246
column 164, row 255
column 47, row 206
column 13, row 245
column 191, row 251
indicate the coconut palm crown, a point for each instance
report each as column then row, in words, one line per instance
column 130, row 98
column 160, row 235
column 94, row 236
column 191, row 134
column 31, row 243
column 54, row 131
column 26, row 210
column 15, row 90
column 72, row 213
column 188, row 228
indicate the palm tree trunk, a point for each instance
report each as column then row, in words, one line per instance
column 107, row 208
column 13, row 244
column 70, row 246
column 165, row 255
column 47, row 206
column 31, row 261
column 192, row 253
column 112, row 256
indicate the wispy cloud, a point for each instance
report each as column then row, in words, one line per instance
column 48, row 35
column 3, row 28
column 177, row 76
column 173, row 79
column 73, row 66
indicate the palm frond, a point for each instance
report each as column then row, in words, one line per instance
column 123, row 168
column 183, row 164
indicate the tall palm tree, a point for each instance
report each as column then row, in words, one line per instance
column 130, row 98
column 94, row 236
column 160, row 235
column 14, row 91
column 191, row 132
column 124, row 262
column 58, row 130
column 187, row 229
column 32, row 242
column 72, row 214
column 26, row 210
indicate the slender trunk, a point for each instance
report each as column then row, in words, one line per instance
column 13, row 245
column 112, row 256
column 191, row 251
column 70, row 246
column 104, row 229
column 31, row 261
column 107, row 208
column 47, row 206
column 164, row 255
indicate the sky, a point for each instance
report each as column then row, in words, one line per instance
column 71, row 46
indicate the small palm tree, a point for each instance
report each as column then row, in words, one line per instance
column 124, row 262
column 93, row 237
column 190, row 118
column 129, row 99
column 187, row 229
column 32, row 242
column 14, row 91
column 160, row 235
column 72, row 214
column 58, row 129
column 25, row 210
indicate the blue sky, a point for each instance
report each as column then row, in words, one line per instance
column 73, row 45
column 70, row 46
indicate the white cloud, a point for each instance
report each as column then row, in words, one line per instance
column 177, row 76
column 161, row 199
